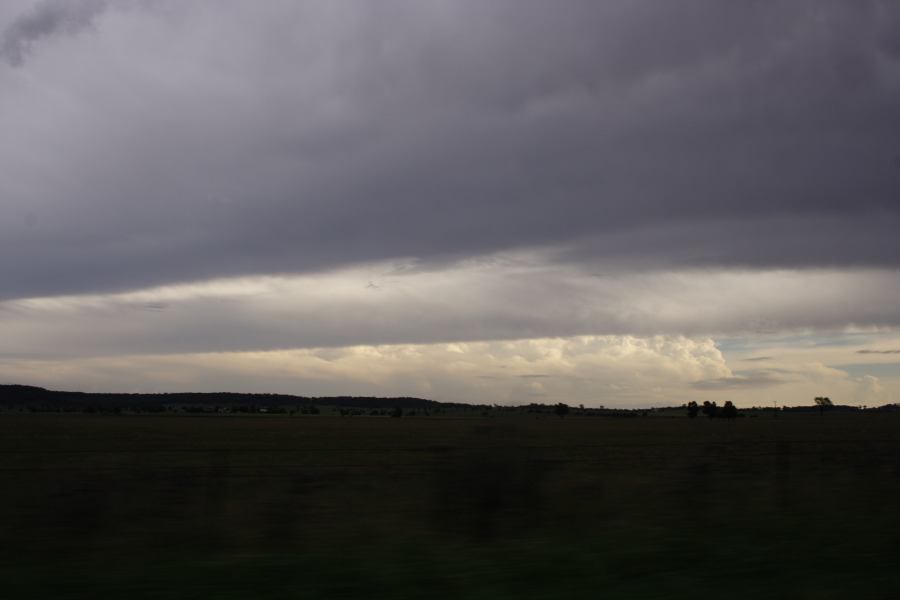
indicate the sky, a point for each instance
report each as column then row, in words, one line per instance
column 621, row 203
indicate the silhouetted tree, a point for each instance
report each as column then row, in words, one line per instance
column 729, row 411
column 561, row 410
column 397, row 412
column 824, row 403
column 692, row 409
column 710, row 409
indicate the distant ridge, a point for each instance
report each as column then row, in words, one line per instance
column 38, row 399
column 32, row 396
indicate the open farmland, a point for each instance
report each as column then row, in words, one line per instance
column 517, row 506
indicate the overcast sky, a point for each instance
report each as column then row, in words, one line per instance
column 618, row 203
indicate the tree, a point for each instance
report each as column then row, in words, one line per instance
column 561, row 410
column 729, row 411
column 692, row 409
column 710, row 409
column 823, row 402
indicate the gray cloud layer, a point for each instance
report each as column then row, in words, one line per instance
column 196, row 139
column 482, row 303
column 45, row 19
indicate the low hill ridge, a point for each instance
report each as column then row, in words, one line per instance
column 26, row 395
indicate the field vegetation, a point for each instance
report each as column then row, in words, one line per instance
column 523, row 505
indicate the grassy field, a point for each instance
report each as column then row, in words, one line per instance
column 509, row 507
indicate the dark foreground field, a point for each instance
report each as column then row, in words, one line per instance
column 518, row 507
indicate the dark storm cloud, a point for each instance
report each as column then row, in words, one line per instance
column 45, row 19
column 201, row 139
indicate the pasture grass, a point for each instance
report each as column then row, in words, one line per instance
column 799, row 506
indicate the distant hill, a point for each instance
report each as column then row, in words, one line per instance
column 26, row 396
